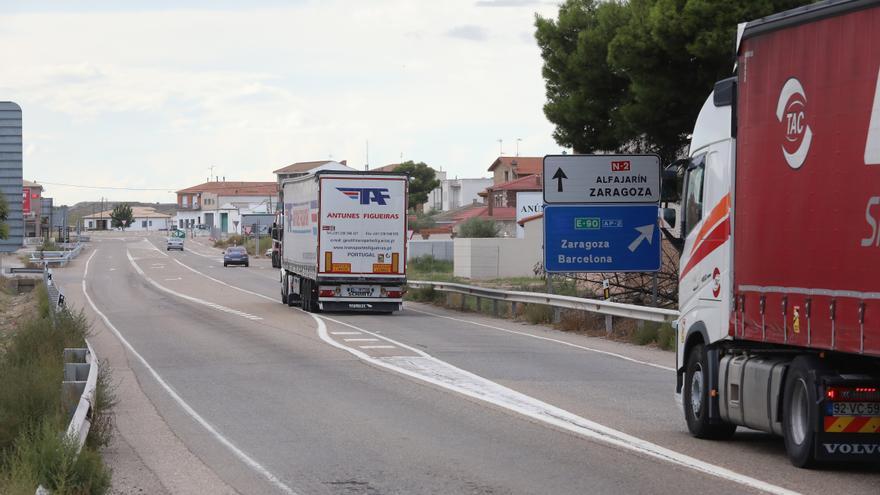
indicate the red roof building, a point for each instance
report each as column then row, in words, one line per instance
column 509, row 168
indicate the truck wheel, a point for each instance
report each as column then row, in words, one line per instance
column 799, row 412
column 285, row 298
column 696, row 399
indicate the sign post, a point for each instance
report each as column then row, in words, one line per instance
column 601, row 213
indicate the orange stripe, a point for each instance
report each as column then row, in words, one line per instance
column 872, row 426
column 721, row 209
column 837, row 424
column 714, row 239
column 857, row 423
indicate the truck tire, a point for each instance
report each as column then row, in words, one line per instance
column 285, row 298
column 309, row 301
column 799, row 413
column 696, row 399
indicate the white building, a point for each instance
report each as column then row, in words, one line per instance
column 217, row 206
column 304, row 168
column 452, row 193
column 145, row 219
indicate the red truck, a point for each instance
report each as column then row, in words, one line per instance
column 780, row 218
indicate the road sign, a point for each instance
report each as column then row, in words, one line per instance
column 178, row 233
column 602, row 179
column 607, row 238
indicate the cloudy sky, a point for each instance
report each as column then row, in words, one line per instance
column 150, row 94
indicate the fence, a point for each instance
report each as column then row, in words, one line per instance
column 556, row 301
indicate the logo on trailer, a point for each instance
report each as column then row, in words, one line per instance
column 621, row 166
column 791, row 112
column 716, row 278
column 366, row 195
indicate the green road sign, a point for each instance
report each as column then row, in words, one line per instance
column 178, row 233
column 590, row 223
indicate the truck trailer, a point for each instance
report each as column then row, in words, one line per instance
column 779, row 289
column 343, row 241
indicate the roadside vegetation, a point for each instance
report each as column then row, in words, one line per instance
column 625, row 330
column 33, row 447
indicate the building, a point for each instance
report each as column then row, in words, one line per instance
column 146, row 219
column 218, row 205
column 32, row 207
column 305, row 168
column 509, row 168
column 11, row 174
column 452, row 193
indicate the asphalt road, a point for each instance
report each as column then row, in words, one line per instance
column 248, row 395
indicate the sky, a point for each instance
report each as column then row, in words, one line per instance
column 153, row 94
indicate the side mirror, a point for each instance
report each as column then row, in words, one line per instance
column 669, row 217
column 673, row 176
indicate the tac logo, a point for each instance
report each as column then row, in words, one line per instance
column 716, row 279
column 621, row 166
column 366, row 195
column 791, row 113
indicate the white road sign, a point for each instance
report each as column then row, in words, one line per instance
column 601, row 179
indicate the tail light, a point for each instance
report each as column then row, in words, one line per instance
column 393, row 292
column 853, row 394
column 328, row 291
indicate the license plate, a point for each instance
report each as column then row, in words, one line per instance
column 855, row 409
column 360, row 290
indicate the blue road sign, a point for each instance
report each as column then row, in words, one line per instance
column 601, row 238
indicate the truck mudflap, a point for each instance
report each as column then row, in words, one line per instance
column 861, row 447
column 849, row 421
column 364, row 306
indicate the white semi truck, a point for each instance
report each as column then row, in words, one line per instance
column 779, row 287
column 343, row 241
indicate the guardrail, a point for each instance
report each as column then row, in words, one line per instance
column 57, row 258
column 80, row 380
column 557, row 301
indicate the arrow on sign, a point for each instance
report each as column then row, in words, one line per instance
column 646, row 232
column 559, row 175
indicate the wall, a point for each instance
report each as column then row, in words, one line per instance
column 481, row 259
column 439, row 249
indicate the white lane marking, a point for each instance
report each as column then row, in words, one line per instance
column 569, row 344
column 173, row 279
column 538, row 410
column 112, row 270
column 361, row 340
column 444, row 375
column 256, row 466
column 190, row 298
column 377, row 347
column 345, row 333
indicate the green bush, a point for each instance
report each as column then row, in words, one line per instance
column 40, row 456
column 33, row 448
column 666, row 337
column 477, row 227
column 538, row 313
column 426, row 294
column 429, row 264
column 646, row 333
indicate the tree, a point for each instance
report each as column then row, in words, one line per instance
column 4, row 215
column 422, row 180
column 634, row 75
column 584, row 92
column 121, row 216
column 476, row 227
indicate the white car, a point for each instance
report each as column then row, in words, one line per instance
column 174, row 243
